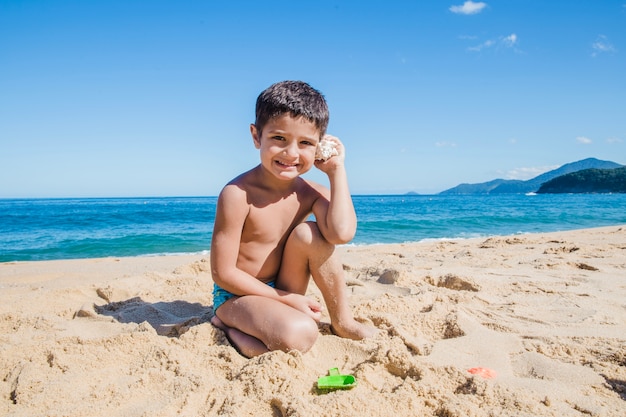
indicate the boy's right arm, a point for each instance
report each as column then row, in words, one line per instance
column 231, row 213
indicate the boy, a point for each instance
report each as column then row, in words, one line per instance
column 263, row 251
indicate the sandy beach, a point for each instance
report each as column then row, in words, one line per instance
column 524, row 325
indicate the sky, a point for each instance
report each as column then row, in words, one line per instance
column 125, row 98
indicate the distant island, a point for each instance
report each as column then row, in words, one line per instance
column 588, row 181
column 592, row 176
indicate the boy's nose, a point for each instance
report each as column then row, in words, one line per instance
column 291, row 149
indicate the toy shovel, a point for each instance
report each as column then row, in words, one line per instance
column 336, row 381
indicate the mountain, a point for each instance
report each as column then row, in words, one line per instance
column 588, row 181
column 502, row 186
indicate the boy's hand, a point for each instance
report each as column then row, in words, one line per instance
column 306, row 305
column 334, row 161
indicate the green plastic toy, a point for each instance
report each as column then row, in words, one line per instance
column 336, row 381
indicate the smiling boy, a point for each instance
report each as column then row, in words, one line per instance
column 263, row 250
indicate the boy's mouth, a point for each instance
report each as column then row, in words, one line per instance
column 287, row 164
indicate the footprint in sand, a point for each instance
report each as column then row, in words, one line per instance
column 417, row 345
column 453, row 282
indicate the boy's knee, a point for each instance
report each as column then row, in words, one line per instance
column 299, row 335
column 308, row 233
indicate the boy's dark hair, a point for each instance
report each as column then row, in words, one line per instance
column 296, row 98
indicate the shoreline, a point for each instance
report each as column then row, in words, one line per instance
column 71, row 230
column 544, row 312
column 206, row 252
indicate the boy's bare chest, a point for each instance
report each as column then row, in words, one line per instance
column 274, row 222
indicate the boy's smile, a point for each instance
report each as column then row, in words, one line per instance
column 287, row 145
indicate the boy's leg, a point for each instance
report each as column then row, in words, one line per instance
column 307, row 253
column 256, row 325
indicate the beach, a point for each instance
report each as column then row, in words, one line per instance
column 518, row 325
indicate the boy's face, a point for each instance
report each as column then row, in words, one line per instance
column 287, row 145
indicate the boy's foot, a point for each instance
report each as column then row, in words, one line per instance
column 352, row 329
column 245, row 344
column 215, row 321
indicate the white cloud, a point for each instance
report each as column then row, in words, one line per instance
column 469, row 7
column 504, row 41
column 478, row 48
column 445, row 144
column 584, row 140
column 510, row 40
column 613, row 140
column 602, row 46
column 527, row 173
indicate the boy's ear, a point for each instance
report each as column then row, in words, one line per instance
column 255, row 136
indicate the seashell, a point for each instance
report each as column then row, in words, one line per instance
column 326, row 149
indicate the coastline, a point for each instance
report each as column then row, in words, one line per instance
column 75, row 228
column 130, row 336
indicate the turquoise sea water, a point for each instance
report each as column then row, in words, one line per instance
column 44, row 229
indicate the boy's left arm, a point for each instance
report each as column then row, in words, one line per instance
column 334, row 210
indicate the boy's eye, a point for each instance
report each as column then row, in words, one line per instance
column 278, row 137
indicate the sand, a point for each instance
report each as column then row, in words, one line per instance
column 540, row 319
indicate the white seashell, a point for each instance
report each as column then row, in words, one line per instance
column 326, row 149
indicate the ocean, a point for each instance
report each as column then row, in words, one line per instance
column 48, row 229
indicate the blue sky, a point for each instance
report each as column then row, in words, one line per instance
column 155, row 98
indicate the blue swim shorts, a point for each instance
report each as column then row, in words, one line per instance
column 220, row 295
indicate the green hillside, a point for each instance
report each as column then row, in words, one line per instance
column 588, row 181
